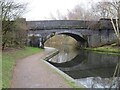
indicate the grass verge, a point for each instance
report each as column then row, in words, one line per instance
column 9, row 59
column 106, row 49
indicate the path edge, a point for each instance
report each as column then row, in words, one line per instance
column 67, row 78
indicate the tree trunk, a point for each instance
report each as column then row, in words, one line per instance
column 3, row 45
column 118, row 42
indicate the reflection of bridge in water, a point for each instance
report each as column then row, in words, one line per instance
column 89, row 64
column 74, row 62
column 87, row 33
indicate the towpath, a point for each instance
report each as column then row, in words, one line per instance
column 33, row 72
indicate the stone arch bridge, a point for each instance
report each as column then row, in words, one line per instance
column 87, row 33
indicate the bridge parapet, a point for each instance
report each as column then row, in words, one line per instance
column 70, row 24
column 59, row 24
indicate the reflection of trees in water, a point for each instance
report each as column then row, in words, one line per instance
column 66, row 46
column 110, row 83
column 116, row 75
column 98, row 82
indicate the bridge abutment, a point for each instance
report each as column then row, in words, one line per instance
column 102, row 37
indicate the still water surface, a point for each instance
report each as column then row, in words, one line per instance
column 86, row 64
column 86, row 67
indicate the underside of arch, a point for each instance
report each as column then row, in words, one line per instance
column 75, row 36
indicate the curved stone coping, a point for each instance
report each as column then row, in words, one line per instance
column 67, row 77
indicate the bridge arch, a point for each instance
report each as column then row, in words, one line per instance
column 77, row 36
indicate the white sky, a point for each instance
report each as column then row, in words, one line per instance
column 40, row 9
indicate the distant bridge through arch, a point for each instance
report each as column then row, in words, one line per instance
column 81, row 31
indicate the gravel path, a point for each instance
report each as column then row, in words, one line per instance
column 33, row 72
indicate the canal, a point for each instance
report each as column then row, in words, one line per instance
column 92, row 69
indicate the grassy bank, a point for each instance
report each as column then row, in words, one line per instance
column 106, row 49
column 8, row 62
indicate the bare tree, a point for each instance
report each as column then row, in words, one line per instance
column 100, row 9
column 52, row 17
column 10, row 12
column 114, row 10
column 58, row 16
column 77, row 13
column 111, row 10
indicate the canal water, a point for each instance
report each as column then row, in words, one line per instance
column 92, row 69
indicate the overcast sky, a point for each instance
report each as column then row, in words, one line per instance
column 41, row 9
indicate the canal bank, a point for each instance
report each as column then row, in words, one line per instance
column 110, row 49
column 91, row 69
column 72, row 82
column 33, row 72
